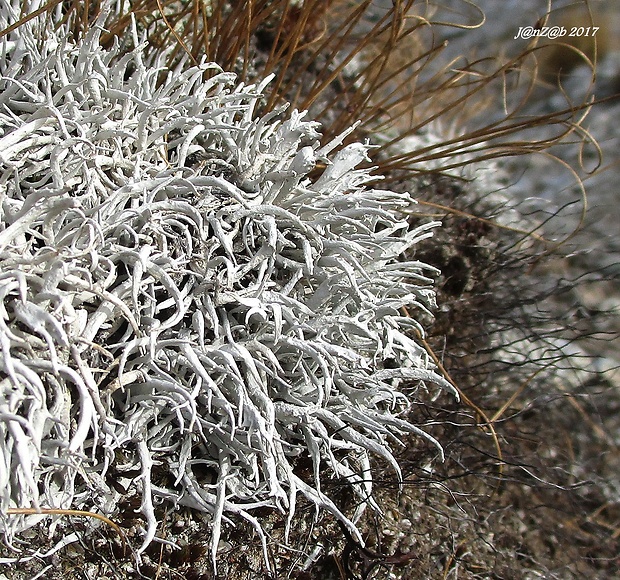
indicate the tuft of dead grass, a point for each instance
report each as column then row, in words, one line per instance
column 356, row 63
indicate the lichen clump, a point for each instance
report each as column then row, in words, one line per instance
column 180, row 297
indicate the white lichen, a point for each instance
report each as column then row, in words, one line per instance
column 177, row 294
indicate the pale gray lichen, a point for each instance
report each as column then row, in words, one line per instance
column 179, row 296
